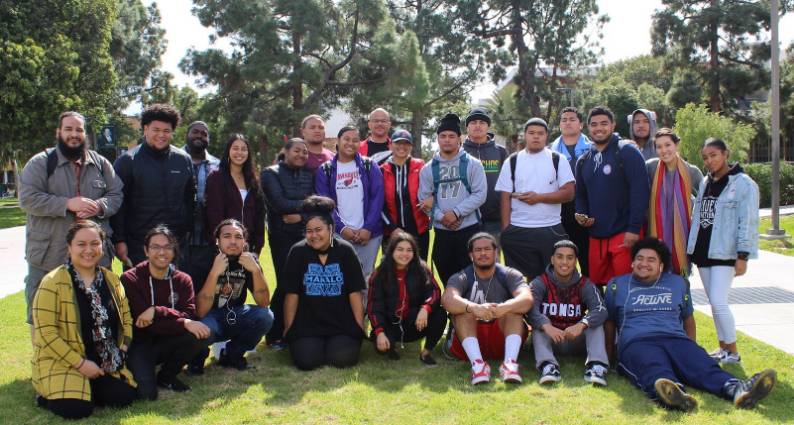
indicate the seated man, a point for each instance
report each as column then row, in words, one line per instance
column 221, row 302
column 656, row 349
column 487, row 302
column 567, row 317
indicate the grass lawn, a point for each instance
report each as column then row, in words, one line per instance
column 11, row 217
column 8, row 201
column 379, row 391
column 781, row 247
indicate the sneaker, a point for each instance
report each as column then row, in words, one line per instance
column 747, row 393
column 480, row 372
column 672, row 396
column 730, row 358
column 173, row 384
column 508, row 372
column 717, row 354
column 596, row 374
column 549, row 374
column 225, row 361
column 427, row 360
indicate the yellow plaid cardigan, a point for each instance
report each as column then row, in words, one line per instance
column 58, row 344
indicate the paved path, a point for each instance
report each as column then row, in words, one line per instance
column 762, row 301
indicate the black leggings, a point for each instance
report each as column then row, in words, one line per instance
column 106, row 391
column 436, row 322
column 312, row 352
column 450, row 251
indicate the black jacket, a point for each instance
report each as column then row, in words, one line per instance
column 422, row 292
column 285, row 189
column 158, row 188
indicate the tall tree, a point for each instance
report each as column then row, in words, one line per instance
column 724, row 41
column 545, row 39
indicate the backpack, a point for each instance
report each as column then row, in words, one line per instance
column 52, row 162
column 555, row 159
column 463, row 176
column 327, row 168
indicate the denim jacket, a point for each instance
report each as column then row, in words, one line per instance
column 735, row 220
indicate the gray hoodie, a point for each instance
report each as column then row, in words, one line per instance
column 649, row 150
column 453, row 195
column 590, row 297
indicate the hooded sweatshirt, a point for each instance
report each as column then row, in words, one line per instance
column 649, row 150
column 492, row 156
column 453, row 195
column 564, row 304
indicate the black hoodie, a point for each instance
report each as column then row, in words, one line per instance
column 492, row 157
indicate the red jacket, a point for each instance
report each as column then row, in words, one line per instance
column 364, row 150
column 223, row 200
column 390, row 200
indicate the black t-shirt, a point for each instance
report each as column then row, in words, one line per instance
column 232, row 286
column 87, row 321
column 708, row 209
column 405, row 216
column 323, row 290
column 374, row 147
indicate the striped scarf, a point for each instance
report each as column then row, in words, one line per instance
column 670, row 221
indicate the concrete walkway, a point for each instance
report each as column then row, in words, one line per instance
column 762, row 300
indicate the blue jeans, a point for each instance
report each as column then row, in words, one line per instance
column 243, row 326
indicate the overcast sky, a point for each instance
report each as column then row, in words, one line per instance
column 627, row 34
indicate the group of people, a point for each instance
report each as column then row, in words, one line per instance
column 189, row 228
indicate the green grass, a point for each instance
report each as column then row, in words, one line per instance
column 379, row 391
column 781, row 247
column 9, row 201
column 11, row 217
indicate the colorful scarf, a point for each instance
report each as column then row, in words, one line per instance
column 670, row 212
column 111, row 357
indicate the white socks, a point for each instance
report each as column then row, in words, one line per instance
column 512, row 347
column 472, row 348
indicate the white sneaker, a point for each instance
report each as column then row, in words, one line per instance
column 723, row 356
column 480, row 372
column 596, row 374
column 508, row 372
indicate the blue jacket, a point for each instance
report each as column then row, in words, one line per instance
column 613, row 190
column 372, row 182
column 735, row 220
column 582, row 146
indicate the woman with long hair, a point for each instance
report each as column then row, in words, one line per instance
column 233, row 192
column 83, row 329
column 723, row 237
column 674, row 184
column 404, row 300
column 286, row 185
column 323, row 305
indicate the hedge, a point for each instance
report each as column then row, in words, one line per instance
column 762, row 174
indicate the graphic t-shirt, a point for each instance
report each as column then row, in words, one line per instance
column 497, row 289
column 641, row 310
column 323, row 290
column 232, row 286
column 349, row 195
column 708, row 210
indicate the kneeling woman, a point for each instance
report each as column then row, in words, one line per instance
column 323, row 306
column 83, row 328
column 403, row 303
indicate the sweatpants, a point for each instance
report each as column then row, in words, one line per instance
column 591, row 342
column 608, row 258
column 578, row 235
column 32, row 282
column 105, row 391
column 172, row 351
column 678, row 359
column 717, row 281
column 280, row 244
column 309, row 353
column 405, row 331
column 450, row 252
column 529, row 250
column 367, row 254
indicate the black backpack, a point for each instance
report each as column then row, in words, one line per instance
column 513, row 158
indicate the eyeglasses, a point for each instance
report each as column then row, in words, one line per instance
column 380, row 121
column 158, row 248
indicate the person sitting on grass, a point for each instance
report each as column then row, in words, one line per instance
column 404, row 299
column 652, row 312
column 83, row 328
column 567, row 317
column 323, row 305
column 163, row 305
column 221, row 302
column 487, row 302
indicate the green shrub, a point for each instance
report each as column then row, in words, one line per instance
column 694, row 124
column 761, row 173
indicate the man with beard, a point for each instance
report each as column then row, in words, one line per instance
column 198, row 258
column 533, row 183
column 642, row 127
column 313, row 133
column 611, row 197
column 57, row 187
column 158, row 187
column 377, row 146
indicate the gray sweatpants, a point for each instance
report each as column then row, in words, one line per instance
column 32, row 281
column 591, row 341
column 367, row 254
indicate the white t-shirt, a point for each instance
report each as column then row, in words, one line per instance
column 349, row 195
column 243, row 193
column 534, row 173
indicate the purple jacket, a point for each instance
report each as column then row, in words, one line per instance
column 372, row 181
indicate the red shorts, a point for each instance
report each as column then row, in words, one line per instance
column 491, row 339
column 608, row 258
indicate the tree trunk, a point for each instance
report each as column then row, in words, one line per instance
column 297, row 84
column 714, row 66
column 525, row 77
column 417, row 123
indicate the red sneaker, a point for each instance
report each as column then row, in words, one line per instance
column 480, row 372
column 508, row 372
